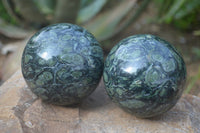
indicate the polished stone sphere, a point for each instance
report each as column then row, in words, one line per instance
column 62, row 64
column 144, row 75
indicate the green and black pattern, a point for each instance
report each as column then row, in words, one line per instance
column 62, row 64
column 145, row 75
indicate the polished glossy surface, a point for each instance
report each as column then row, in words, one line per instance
column 144, row 75
column 62, row 64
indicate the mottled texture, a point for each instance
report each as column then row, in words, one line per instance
column 23, row 112
column 62, row 64
column 144, row 75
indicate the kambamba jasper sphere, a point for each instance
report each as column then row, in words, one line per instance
column 62, row 64
column 144, row 75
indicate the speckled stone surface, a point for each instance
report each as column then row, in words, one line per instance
column 144, row 75
column 62, row 64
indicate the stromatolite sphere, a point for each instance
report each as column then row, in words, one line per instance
column 62, row 64
column 144, row 75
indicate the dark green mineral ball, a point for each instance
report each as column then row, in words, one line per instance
column 144, row 75
column 62, row 64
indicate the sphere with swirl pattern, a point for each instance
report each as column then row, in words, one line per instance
column 62, row 64
column 144, row 75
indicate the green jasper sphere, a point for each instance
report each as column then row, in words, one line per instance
column 144, row 75
column 62, row 64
